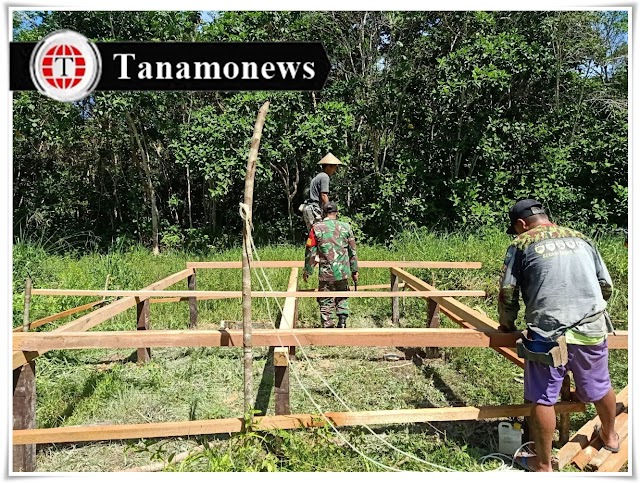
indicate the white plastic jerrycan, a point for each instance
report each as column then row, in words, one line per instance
column 509, row 438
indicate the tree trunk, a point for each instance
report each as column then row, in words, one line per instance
column 247, row 343
column 189, row 196
column 144, row 157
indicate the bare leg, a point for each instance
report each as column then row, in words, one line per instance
column 606, row 409
column 543, row 425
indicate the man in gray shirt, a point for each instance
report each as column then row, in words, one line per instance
column 564, row 285
column 319, row 191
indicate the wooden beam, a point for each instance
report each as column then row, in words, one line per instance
column 37, row 323
column 24, row 415
column 361, row 264
column 622, row 428
column 386, row 337
column 616, row 461
column 96, row 317
column 281, row 354
column 583, row 436
column 293, row 421
column 142, row 309
column 395, row 301
column 473, row 317
column 238, row 294
column 193, row 302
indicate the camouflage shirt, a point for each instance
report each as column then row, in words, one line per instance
column 563, row 281
column 334, row 244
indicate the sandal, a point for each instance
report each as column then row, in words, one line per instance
column 521, row 461
column 596, row 429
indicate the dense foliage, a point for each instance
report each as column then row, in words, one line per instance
column 444, row 119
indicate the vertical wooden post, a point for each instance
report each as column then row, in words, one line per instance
column 246, row 257
column 193, row 302
column 564, row 423
column 24, row 398
column 144, row 354
column 282, row 355
column 27, row 305
column 433, row 314
column 24, row 414
column 395, row 301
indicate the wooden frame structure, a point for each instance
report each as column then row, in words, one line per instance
column 477, row 330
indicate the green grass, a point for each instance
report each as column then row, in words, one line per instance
column 106, row 387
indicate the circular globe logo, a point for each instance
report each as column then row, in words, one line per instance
column 65, row 66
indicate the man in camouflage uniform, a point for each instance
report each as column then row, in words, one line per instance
column 564, row 285
column 335, row 246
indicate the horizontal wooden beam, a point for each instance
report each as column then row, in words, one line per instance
column 387, row 337
column 510, row 354
column 361, row 264
column 40, row 322
column 292, row 421
column 96, row 317
column 473, row 317
column 238, row 294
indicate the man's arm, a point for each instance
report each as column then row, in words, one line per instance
column 508, row 304
column 353, row 256
column 324, row 190
column 604, row 279
column 311, row 248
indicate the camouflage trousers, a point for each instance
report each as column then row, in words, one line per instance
column 329, row 304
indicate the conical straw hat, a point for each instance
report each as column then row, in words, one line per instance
column 330, row 159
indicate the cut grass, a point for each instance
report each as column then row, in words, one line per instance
column 106, row 386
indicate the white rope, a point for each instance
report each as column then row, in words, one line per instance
column 255, row 251
column 501, row 457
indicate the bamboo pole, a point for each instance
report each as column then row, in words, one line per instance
column 246, row 258
column 27, row 305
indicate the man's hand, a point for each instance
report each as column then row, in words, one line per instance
column 305, row 276
column 354, row 277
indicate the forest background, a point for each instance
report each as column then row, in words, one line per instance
column 443, row 119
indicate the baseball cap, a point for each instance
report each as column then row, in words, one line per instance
column 330, row 207
column 523, row 209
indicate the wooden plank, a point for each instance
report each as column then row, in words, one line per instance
column 473, row 317
column 281, row 354
column 379, row 286
column 24, row 415
column 96, row 317
column 238, row 294
column 510, row 354
column 616, row 461
column 622, row 428
column 142, row 309
column 234, row 425
column 583, row 436
column 384, row 337
column 395, row 301
column 361, row 264
column 45, row 320
column 193, row 302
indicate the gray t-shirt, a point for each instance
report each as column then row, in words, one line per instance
column 319, row 184
column 563, row 281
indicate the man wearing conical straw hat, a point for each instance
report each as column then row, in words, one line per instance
column 319, row 191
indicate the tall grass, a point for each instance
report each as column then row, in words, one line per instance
column 97, row 386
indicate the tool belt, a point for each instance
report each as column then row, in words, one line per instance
column 550, row 353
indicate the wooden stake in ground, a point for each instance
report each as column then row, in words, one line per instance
column 27, row 305
column 247, row 209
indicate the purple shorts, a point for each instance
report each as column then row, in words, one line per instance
column 590, row 368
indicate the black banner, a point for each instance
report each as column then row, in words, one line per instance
column 135, row 66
